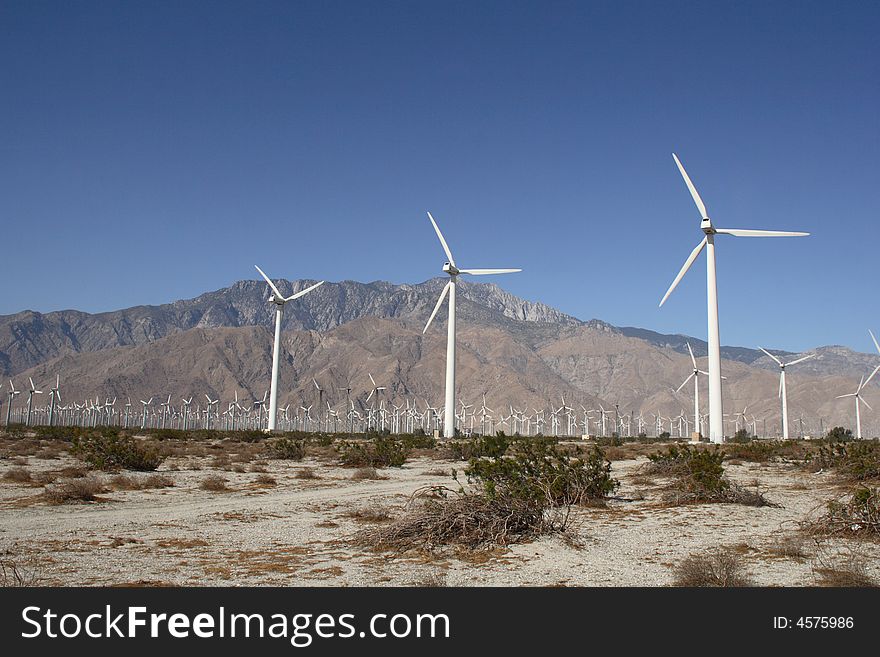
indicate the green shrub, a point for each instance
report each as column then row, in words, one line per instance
column 542, row 472
column 418, row 441
column 839, row 435
column 741, row 436
column 857, row 461
column 482, row 446
column 380, row 452
column 857, row 516
column 698, row 476
column 767, row 451
column 286, row 448
column 115, row 452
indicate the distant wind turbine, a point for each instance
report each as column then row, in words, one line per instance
column 279, row 300
column 453, row 272
column 858, row 398
column 716, row 412
column 783, row 392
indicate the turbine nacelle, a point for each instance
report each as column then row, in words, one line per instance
column 450, row 269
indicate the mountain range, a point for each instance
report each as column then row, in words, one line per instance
column 514, row 351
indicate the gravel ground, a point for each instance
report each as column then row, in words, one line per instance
column 298, row 532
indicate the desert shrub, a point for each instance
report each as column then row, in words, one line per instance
column 857, row 516
column 286, row 448
column 129, row 482
column 214, row 484
column 16, row 573
column 540, row 471
column 697, row 475
column 366, row 473
column 437, row 517
column 380, row 452
column 482, row 446
column 722, row 567
column 839, row 435
column 74, row 490
column 855, row 461
column 767, row 451
column 846, row 575
column 740, row 437
column 371, row 513
column 307, row 473
column 114, row 452
column 266, row 480
column 18, row 475
column 418, row 441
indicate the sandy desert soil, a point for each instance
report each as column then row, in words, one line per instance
column 299, row 531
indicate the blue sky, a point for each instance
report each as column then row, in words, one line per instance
column 154, row 151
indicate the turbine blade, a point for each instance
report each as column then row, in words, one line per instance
column 740, row 232
column 691, row 352
column 697, row 200
column 865, row 403
column 685, row 382
column 875, row 340
column 437, row 307
column 870, row 377
column 485, row 272
column 771, row 356
column 271, row 284
column 442, row 241
column 800, row 360
column 685, row 267
column 303, row 292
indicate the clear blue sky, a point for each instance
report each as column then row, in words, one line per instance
column 152, row 151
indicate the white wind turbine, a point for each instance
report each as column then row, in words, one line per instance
column 453, row 272
column 12, row 393
column 716, row 412
column 33, row 391
column 783, row 393
column 279, row 300
column 695, row 375
column 858, row 398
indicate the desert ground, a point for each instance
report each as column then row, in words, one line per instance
column 294, row 523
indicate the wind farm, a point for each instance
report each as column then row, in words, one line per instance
column 367, row 415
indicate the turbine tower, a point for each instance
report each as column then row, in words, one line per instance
column 783, row 393
column 453, row 272
column 279, row 300
column 716, row 412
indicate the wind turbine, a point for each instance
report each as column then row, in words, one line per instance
column 279, row 300
column 858, row 397
column 716, row 412
column 695, row 375
column 783, row 394
column 453, row 272
column 33, row 391
column 12, row 393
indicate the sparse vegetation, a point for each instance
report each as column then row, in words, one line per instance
column 857, row 516
column 18, row 476
column 480, row 447
column 381, row 452
column 307, row 473
column 853, row 461
column 722, row 567
column 129, row 482
column 366, row 473
column 542, row 472
column 114, row 452
column 16, row 573
column 85, row 489
column 286, row 448
column 697, row 475
column 266, row 480
column 214, row 484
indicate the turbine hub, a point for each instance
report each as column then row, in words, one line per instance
column 452, row 270
column 706, row 227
